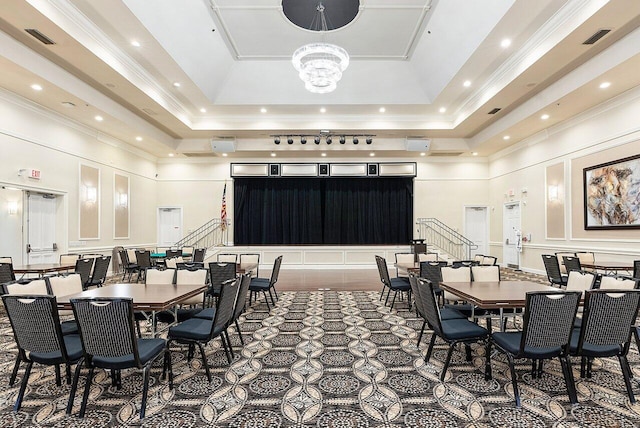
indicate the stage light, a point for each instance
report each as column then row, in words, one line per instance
column 303, row 140
column 316, row 140
column 342, row 140
column 369, row 140
column 276, row 140
column 328, row 139
column 289, row 140
column 355, row 140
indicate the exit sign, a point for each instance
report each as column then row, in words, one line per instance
column 34, row 173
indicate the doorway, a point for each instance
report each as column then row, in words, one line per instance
column 169, row 226
column 511, row 234
column 41, row 228
column 476, row 228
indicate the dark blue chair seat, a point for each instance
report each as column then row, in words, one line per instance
column 207, row 314
column 510, row 342
column 183, row 315
column 460, row 329
column 259, row 284
column 147, row 350
column 69, row 327
column 72, row 343
column 451, row 313
column 589, row 350
column 466, row 309
column 194, row 329
column 400, row 284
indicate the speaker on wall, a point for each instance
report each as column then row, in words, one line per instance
column 274, row 170
column 323, row 170
column 372, row 169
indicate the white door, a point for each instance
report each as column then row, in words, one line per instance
column 169, row 226
column 41, row 228
column 511, row 235
column 476, row 228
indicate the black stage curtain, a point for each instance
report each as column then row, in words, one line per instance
column 316, row 211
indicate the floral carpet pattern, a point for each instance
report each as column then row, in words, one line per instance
column 333, row 359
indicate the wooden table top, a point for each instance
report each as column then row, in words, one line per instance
column 42, row 267
column 145, row 297
column 499, row 294
column 608, row 265
column 246, row 268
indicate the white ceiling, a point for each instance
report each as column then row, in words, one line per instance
column 409, row 56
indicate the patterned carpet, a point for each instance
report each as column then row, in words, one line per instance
column 328, row 359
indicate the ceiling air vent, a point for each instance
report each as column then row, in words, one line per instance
column 597, row 36
column 443, row 154
column 41, row 37
column 495, row 110
column 149, row 112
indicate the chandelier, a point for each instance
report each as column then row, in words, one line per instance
column 320, row 65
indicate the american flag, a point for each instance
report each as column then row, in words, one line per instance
column 223, row 211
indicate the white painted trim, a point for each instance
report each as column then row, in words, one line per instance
column 115, row 205
column 98, row 200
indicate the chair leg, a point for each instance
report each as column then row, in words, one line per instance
column 583, row 364
column 487, row 353
column 514, row 379
column 204, row 361
column 626, row 373
column 424, row 324
column 382, row 294
column 68, row 373
column 275, row 292
column 395, row 293
column 467, row 350
column 430, row 348
column 568, row 379
column 239, row 332
column 266, row 300
column 145, row 391
column 271, row 296
column 226, row 335
column 74, row 386
column 446, row 362
column 85, row 396
column 386, row 301
column 534, row 369
column 23, row 386
column 14, row 374
column 58, row 377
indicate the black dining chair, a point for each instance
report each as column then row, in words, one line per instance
column 452, row 331
column 546, row 334
column 636, row 269
column 6, row 273
column 607, row 322
column 552, row 267
column 199, row 255
column 100, row 270
column 219, row 272
column 431, row 270
column 109, row 341
column 265, row 285
column 571, row 263
column 38, row 335
column 143, row 260
column 397, row 285
column 84, row 267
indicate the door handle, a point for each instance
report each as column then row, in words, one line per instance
column 28, row 248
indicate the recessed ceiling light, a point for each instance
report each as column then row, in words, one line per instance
column 323, row 110
column 99, row 118
column 544, row 116
column 176, row 84
column 505, row 43
column 138, row 138
column 263, row 110
column 203, row 110
column 506, row 137
column 382, row 110
column 170, row 155
column 442, row 109
column 135, row 43
column 323, row 154
column 466, row 83
column 474, row 153
column 423, row 154
column 372, row 154
column 273, row 155
column 224, row 155
column 605, row 85
column 36, row 87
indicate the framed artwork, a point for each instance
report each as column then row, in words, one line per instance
column 612, row 194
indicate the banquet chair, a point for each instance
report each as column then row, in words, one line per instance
column 608, row 282
column 427, row 257
column 200, row 331
column 636, row 269
column 109, row 341
column 128, row 267
column 489, row 261
column 199, row 255
column 69, row 259
column 485, row 273
column 559, row 255
column 33, row 287
column 218, row 273
column 6, row 259
column 250, row 259
column 454, row 274
column 83, row 268
column 586, row 257
column 187, row 253
column 580, row 281
column 227, row 258
column 100, row 270
column 397, row 285
column 571, row 263
column 537, row 341
column 478, row 258
column 431, row 270
column 143, row 260
column 452, row 331
column 195, row 277
column 552, row 267
column 609, row 316
column 64, row 286
column 265, row 285
column 38, row 335
column 173, row 252
column 404, row 258
column 6, row 273
column 172, row 263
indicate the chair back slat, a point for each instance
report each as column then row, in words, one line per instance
column 83, row 267
column 225, row 307
column 199, row 255
column 489, row 261
column 65, row 285
column 106, row 326
column 275, row 272
column 383, row 271
column 415, row 291
column 580, row 281
column 6, row 273
column 559, row 255
column 608, row 282
column 160, row 277
column 245, row 282
column 35, row 323
column 608, row 317
column 571, row 263
column 428, row 257
column 143, row 259
column 219, row 273
column 34, row 287
column 100, row 269
column 548, row 319
column 456, row 274
column 191, row 277
column 485, row 273
column 430, row 305
column 227, row 258
column 431, row 270
column 552, row 267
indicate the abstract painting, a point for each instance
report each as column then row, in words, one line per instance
column 612, row 194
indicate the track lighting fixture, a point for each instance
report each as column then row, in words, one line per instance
column 316, row 139
column 342, row 139
column 328, row 137
column 369, row 140
column 355, row 140
column 276, row 140
column 303, row 140
column 289, row 140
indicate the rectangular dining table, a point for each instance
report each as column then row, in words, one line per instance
column 146, row 297
column 495, row 295
column 42, row 268
column 609, row 267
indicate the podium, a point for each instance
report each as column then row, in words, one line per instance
column 418, row 247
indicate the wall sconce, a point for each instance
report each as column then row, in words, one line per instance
column 123, row 199
column 553, row 192
column 92, row 195
column 12, row 207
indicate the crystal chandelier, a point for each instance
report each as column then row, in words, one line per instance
column 320, row 65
